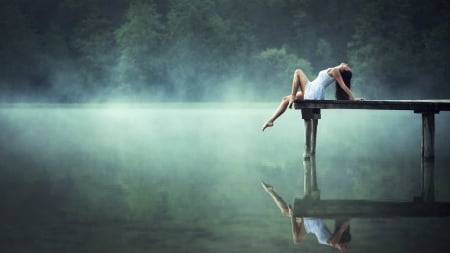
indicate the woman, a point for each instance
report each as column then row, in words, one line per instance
column 315, row 90
column 308, row 225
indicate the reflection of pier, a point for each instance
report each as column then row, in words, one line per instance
column 311, row 205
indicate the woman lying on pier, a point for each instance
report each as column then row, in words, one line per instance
column 308, row 225
column 315, row 90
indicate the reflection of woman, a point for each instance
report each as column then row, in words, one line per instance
column 315, row 90
column 308, row 225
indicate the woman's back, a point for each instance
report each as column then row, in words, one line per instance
column 316, row 89
column 317, row 227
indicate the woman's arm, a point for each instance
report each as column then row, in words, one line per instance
column 336, row 74
column 336, row 237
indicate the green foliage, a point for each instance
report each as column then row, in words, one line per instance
column 17, row 47
column 275, row 67
column 94, row 39
column 390, row 41
column 139, row 40
column 436, row 53
column 197, row 50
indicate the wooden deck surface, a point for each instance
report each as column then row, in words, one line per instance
column 414, row 105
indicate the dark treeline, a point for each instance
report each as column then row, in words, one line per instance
column 207, row 50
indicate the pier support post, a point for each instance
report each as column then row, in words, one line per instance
column 307, row 159
column 311, row 118
column 428, row 156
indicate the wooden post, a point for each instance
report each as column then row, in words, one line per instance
column 307, row 159
column 428, row 156
column 314, row 186
column 311, row 117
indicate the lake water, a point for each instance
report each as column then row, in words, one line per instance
column 186, row 177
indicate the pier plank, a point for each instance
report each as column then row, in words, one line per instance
column 368, row 209
column 413, row 105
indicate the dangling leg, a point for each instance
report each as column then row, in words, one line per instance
column 299, row 81
column 284, row 208
column 280, row 110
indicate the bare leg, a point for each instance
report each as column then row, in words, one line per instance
column 284, row 208
column 298, row 231
column 299, row 81
column 280, row 110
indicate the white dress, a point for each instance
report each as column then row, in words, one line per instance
column 315, row 90
column 317, row 227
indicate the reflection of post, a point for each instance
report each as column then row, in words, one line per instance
column 307, row 158
column 310, row 117
column 314, row 187
column 428, row 156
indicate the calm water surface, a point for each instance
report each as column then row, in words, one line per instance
column 186, row 177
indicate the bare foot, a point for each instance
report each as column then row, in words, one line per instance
column 266, row 125
column 267, row 187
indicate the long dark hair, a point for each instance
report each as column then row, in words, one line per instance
column 347, row 77
column 346, row 236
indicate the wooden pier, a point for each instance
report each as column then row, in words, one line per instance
column 311, row 205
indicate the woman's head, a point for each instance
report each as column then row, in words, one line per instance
column 346, row 74
column 346, row 237
column 344, row 67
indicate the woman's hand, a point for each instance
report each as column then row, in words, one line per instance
column 291, row 211
column 291, row 101
column 357, row 99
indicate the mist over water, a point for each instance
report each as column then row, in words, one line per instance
column 130, row 177
column 185, row 177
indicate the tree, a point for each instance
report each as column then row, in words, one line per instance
column 387, row 48
column 139, row 39
column 275, row 68
column 19, row 48
column 437, row 47
column 321, row 30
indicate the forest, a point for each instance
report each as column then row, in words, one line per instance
column 210, row 50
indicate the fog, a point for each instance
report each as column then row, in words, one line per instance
column 197, row 167
column 135, row 126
